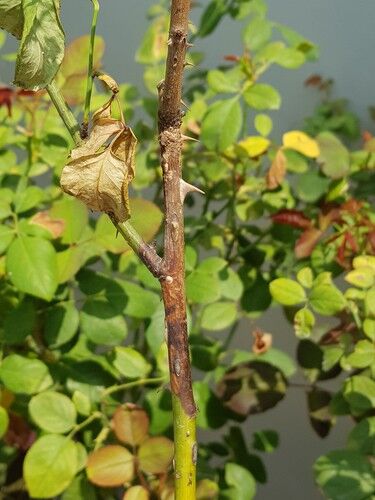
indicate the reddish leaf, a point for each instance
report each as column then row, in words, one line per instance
column 19, row 434
column 54, row 226
column 130, row 424
column 328, row 215
column 313, row 81
column 6, row 98
column 352, row 206
column 293, row 218
column 277, row 171
column 231, row 58
column 307, row 242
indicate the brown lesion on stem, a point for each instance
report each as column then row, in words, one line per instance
column 170, row 140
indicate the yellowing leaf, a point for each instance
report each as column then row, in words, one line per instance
column 364, row 261
column 255, row 145
column 301, row 142
column 99, row 173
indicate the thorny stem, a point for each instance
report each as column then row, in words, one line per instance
column 173, row 285
column 90, row 77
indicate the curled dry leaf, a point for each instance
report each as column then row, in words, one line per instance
column 102, row 167
column 262, row 341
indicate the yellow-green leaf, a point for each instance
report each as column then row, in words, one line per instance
column 301, row 142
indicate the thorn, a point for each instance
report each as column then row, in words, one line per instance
column 187, row 138
column 188, row 45
column 184, row 104
column 187, row 63
column 186, row 188
column 169, row 42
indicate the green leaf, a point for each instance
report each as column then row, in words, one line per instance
column 24, row 376
column 289, row 58
column 287, row 292
column 363, row 355
column 304, row 321
column 27, row 199
column 226, row 82
column 231, row 286
column 50, row 465
column 370, row 302
column 362, row 437
column 241, row 480
column 274, row 357
column 32, row 266
column 202, row 287
column 262, row 96
column 305, row 277
column 11, row 17
column 79, row 489
column 266, row 441
column 75, row 216
column 331, row 356
column 140, row 303
column 110, row 466
column 155, row 330
column 326, row 299
column 222, row 124
column 369, row 328
column 211, row 17
column 153, row 48
column 155, row 455
column 131, row 363
column 101, row 323
column 146, row 218
column 219, row 315
column 42, row 45
column 61, row 323
column 311, row 186
column 4, row 421
column 53, row 412
column 6, row 237
column 359, row 392
column 362, row 277
column 263, row 124
column 256, row 33
column 334, row 157
column 20, row 322
column 345, row 475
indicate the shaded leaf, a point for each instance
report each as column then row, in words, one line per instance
column 346, row 475
column 42, row 45
column 11, row 17
column 155, row 455
column 131, row 363
column 334, row 157
column 241, row 480
column 222, row 124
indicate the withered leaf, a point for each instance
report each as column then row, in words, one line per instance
column 277, row 171
column 101, row 168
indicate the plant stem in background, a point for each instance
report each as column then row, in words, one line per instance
column 173, row 285
column 65, row 113
column 90, row 78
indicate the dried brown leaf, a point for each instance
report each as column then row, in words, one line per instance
column 277, row 171
column 102, row 167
